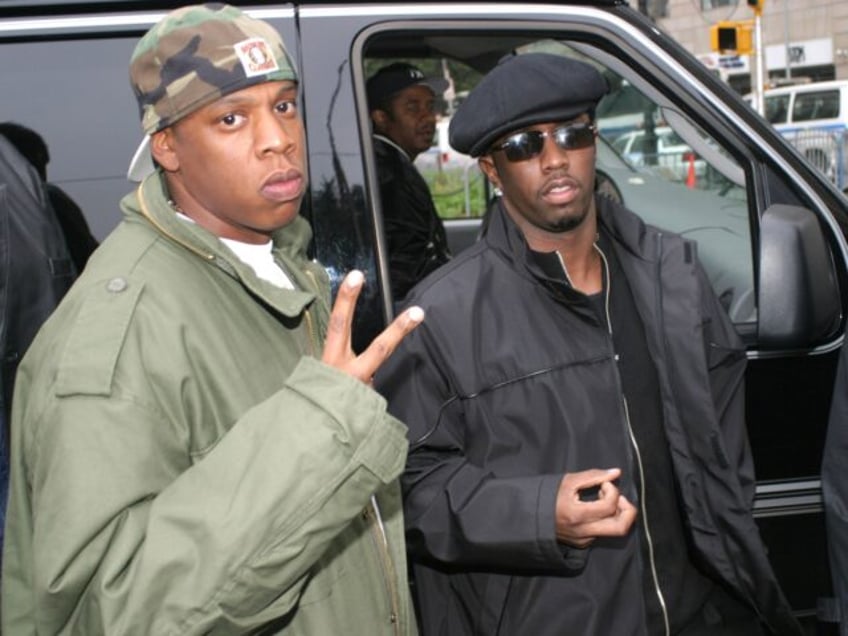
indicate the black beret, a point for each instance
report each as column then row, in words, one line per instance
column 523, row 90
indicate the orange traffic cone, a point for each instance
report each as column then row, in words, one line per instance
column 691, row 179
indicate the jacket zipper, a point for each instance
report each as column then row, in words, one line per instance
column 378, row 535
column 644, row 509
column 371, row 514
column 314, row 345
column 639, row 465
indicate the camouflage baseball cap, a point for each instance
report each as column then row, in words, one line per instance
column 194, row 56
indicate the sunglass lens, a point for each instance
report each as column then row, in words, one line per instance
column 523, row 145
column 575, row 137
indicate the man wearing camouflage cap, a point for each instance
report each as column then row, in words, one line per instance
column 196, row 448
column 579, row 462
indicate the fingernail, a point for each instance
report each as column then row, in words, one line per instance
column 354, row 279
column 416, row 314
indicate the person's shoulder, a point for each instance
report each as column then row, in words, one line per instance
column 132, row 288
column 77, row 348
column 451, row 283
column 389, row 161
column 382, row 149
column 631, row 227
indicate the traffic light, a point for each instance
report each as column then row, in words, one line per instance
column 731, row 37
column 756, row 5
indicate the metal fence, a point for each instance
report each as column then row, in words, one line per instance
column 825, row 149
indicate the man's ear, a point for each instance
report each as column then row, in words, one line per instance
column 380, row 119
column 162, row 149
column 487, row 165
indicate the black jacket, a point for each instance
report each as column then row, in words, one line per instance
column 510, row 382
column 75, row 228
column 35, row 264
column 416, row 237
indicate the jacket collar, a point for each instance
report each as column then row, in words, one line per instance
column 389, row 142
column 625, row 230
column 150, row 204
column 504, row 237
column 621, row 230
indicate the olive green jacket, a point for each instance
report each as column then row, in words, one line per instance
column 183, row 464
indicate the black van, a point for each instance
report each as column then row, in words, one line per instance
column 770, row 227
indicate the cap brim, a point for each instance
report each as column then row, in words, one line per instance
column 141, row 164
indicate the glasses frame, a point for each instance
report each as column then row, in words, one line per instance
column 516, row 140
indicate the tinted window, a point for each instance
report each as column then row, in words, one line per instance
column 777, row 108
column 816, row 105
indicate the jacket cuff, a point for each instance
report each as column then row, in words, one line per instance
column 573, row 559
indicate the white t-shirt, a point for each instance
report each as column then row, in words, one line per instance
column 259, row 257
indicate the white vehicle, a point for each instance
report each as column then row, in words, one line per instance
column 814, row 117
column 673, row 157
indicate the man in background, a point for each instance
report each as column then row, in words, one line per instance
column 402, row 102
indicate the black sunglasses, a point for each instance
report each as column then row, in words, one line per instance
column 528, row 144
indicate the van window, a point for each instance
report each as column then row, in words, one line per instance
column 816, row 105
column 777, row 108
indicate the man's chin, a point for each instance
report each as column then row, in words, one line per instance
column 566, row 224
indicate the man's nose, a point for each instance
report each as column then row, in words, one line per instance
column 552, row 155
column 272, row 134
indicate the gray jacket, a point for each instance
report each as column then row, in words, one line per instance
column 182, row 462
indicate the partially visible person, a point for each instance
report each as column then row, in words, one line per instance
column 36, row 271
column 834, row 476
column 403, row 113
column 75, row 228
column 196, row 448
column 579, row 462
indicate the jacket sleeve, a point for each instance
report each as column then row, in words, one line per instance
column 835, row 489
column 455, row 511
column 129, row 536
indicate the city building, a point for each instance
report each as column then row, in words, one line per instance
column 812, row 35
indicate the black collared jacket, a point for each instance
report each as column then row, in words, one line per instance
column 510, row 382
column 415, row 234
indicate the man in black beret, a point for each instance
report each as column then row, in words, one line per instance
column 575, row 401
column 402, row 103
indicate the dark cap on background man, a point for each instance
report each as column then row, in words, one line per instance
column 524, row 90
column 392, row 79
column 194, row 56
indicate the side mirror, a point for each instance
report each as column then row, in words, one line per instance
column 799, row 305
